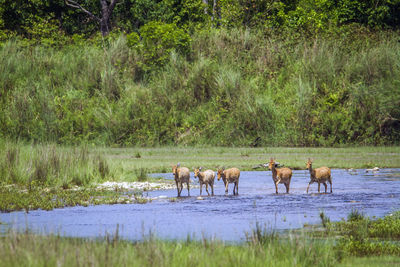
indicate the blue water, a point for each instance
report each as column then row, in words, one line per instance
column 224, row 217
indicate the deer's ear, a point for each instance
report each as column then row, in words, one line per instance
column 178, row 165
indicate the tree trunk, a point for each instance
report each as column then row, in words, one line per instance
column 205, row 2
column 216, row 14
column 105, row 26
column 106, row 11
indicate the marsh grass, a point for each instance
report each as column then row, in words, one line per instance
column 161, row 159
column 31, row 249
column 263, row 247
column 237, row 88
column 49, row 165
column 362, row 236
column 60, row 166
column 13, row 198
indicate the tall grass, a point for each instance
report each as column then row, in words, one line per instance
column 49, row 165
column 18, row 249
column 237, row 87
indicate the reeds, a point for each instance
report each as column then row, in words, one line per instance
column 32, row 249
column 48, row 165
column 236, row 86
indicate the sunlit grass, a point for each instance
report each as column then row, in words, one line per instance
column 28, row 249
column 161, row 159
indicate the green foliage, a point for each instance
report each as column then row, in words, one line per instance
column 132, row 39
column 16, row 198
column 219, row 87
column 159, row 40
column 47, row 21
column 27, row 248
column 363, row 236
column 48, row 166
column 142, row 174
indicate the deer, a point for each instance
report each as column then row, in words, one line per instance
column 319, row 175
column 230, row 176
column 280, row 176
column 182, row 175
column 207, row 177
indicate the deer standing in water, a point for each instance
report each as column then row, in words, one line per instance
column 319, row 175
column 230, row 176
column 280, row 176
column 181, row 175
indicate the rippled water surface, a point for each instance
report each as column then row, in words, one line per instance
column 223, row 216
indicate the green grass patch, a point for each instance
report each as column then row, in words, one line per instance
column 263, row 247
column 14, row 198
column 30, row 249
column 235, row 87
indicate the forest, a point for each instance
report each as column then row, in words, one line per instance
column 200, row 72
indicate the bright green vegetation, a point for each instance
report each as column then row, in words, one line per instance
column 161, row 159
column 52, row 165
column 16, row 198
column 237, row 87
column 50, row 176
column 263, row 248
column 34, row 250
column 242, row 73
column 365, row 237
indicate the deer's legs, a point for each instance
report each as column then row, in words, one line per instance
column 309, row 185
column 276, row 185
column 207, row 189
column 287, row 188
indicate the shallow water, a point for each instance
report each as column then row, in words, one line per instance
column 224, row 217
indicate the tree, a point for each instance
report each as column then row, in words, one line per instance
column 106, row 11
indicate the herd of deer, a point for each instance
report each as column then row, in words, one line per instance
column 279, row 175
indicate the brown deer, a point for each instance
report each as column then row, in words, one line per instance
column 207, row 177
column 280, row 176
column 182, row 175
column 230, row 176
column 319, row 175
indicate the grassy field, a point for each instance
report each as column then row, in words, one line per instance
column 27, row 249
column 338, row 244
column 160, row 159
column 59, row 165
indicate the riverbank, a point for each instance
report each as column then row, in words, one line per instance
column 35, row 170
column 334, row 244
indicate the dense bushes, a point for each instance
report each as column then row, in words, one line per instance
column 234, row 87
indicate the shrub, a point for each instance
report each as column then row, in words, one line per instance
column 159, row 40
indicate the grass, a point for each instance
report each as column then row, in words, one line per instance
column 28, row 249
column 237, row 87
column 45, row 176
column 60, row 165
column 161, row 159
column 15, row 198
column 263, row 247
